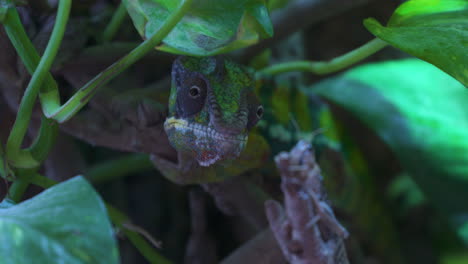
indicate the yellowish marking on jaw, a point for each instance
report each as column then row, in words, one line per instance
column 174, row 122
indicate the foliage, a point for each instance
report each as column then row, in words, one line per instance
column 417, row 110
column 65, row 222
column 210, row 27
column 387, row 105
column 433, row 30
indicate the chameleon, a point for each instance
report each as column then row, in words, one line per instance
column 212, row 109
column 218, row 139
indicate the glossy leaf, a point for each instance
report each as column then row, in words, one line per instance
column 210, row 26
column 433, row 30
column 6, row 204
column 67, row 222
column 422, row 114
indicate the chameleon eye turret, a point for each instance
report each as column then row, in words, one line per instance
column 211, row 108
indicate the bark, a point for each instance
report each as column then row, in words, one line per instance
column 306, row 229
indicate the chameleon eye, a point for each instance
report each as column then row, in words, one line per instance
column 259, row 112
column 256, row 110
column 194, row 91
column 191, row 95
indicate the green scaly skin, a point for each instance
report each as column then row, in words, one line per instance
column 212, row 108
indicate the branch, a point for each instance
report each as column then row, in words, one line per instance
column 307, row 230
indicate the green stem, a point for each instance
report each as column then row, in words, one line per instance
column 23, row 117
column 45, row 140
column 17, row 189
column 50, row 97
column 321, row 67
column 30, row 57
column 20, row 40
column 114, row 24
column 41, row 181
column 117, row 168
column 137, row 240
column 81, row 97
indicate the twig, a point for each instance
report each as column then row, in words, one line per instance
column 144, row 233
column 307, row 230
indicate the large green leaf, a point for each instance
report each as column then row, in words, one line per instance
column 3, row 10
column 209, row 27
column 422, row 114
column 433, row 30
column 67, row 223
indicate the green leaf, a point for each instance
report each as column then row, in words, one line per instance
column 66, row 223
column 4, row 6
column 6, row 203
column 433, row 30
column 210, row 27
column 422, row 114
column 260, row 13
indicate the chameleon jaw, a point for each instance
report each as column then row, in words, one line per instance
column 204, row 143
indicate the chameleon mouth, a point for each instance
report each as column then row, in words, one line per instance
column 203, row 142
column 202, row 130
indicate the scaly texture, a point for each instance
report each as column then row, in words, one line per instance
column 211, row 109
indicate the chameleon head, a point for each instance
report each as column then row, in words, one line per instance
column 212, row 107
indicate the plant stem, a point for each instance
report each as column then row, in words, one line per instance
column 114, row 24
column 23, row 117
column 45, row 140
column 30, row 57
column 20, row 40
column 50, row 97
column 81, row 97
column 321, row 67
column 113, row 169
column 137, row 240
column 17, row 189
column 41, row 181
